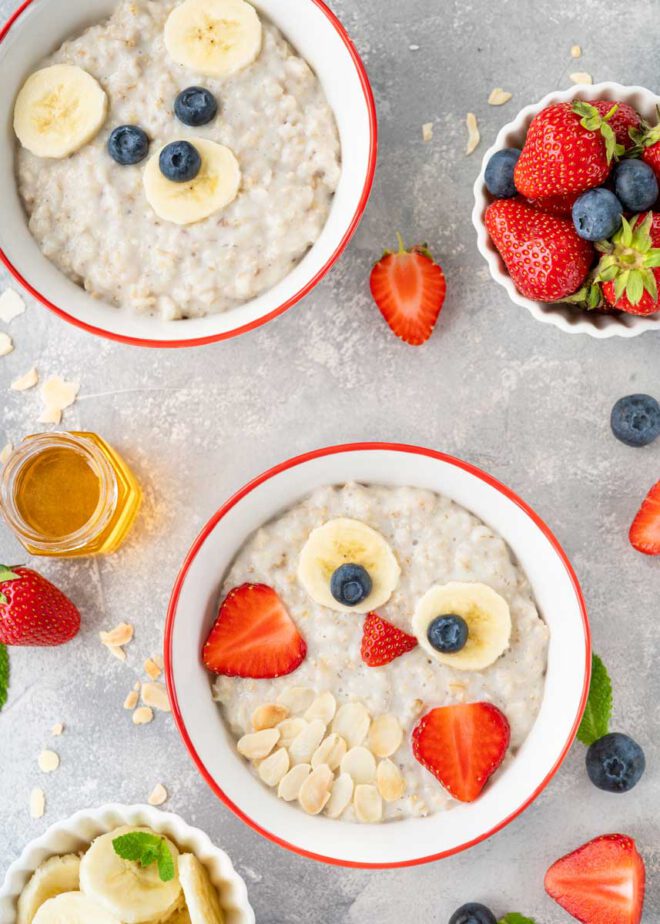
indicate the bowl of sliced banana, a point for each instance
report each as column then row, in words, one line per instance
column 123, row 865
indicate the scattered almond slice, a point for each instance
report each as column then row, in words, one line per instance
column 368, row 804
column 473, row 133
column 117, row 652
column 360, row 764
column 290, row 729
column 131, row 700
column 296, row 699
column 122, row 634
column 330, row 751
column 37, row 803
column 427, row 131
column 28, row 380
column 385, row 735
column 389, row 781
column 581, row 77
column 48, row 761
column 6, row 452
column 155, row 695
column 323, row 707
column 143, row 715
column 259, row 744
column 340, row 795
column 6, row 344
column 274, row 767
column 11, row 305
column 290, row 784
column 57, row 395
column 576, row 51
column 303, row 745
column 158, row 660
column 268, row 716
column 315, row 791
column 352, row 723
column 57, row 729
column 151, row 669
column 158, row 795
column 498, row 97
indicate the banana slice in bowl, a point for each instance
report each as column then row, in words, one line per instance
column 348, row 566
column 58, row 110
column 202, row 904
column 213, row 37
column 466, row 626
column 73, row 908
column 51, row 878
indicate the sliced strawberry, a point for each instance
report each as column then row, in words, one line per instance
column 462, row 746
column 253, row 636
column 382, row 642
column 645, row 529
column 601, row 882
column 409, row 288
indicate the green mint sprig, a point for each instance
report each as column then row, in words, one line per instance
column 596, row 719
column 4, row 674
column 145, row 849
column 514, row 918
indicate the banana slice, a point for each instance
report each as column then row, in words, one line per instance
column 201, row 895
column 51, row 878
column 487, row 616
column 131, row 893
column 345, row 541
column 214, row 187
column 73, row 908
column 213, row 37
column 58, row 110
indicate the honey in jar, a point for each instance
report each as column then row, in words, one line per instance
column 68, row 494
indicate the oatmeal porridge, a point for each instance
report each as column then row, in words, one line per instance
column 151, row 241
column 362, row 634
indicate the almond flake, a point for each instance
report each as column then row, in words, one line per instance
column 385, row 735
column 117, row 652
column 120, row 635
column 6, row 452
column 290, row 784
column 158, row 660
column 48, row 761
column 330, row 752
column 57, row 729
column 315, row 791
column 142, row 716
column 296, row 699
column 274, row 767
column 11, row 305
column 6, row 344
column 427, row 131
column 28, row 380
column 303, row 745
column 576, row 51
column 290, row 729
column 360, row 764
column 323, row 707
column 473, row 133
column 389, row 780
column 340, row 795
column 498, row 97
column 158, row 795
column 57, row 395
column 151, row 669
column 131, row 700
column 155, row 694
column 259, row 744
column 581, row 77
column 37, row 803
column 352, row 723
column 368, row 804
column 268, row 716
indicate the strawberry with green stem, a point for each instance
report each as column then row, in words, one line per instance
column 647, row 144
column 33, row 611
column 629, row 269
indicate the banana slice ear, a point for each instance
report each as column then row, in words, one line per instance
column 213, row 37
column 346, row 541
column 487, row 616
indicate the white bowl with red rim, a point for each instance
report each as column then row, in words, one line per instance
column 38, row 27
column 76, row 833
column 569, row 318
column 193, row 609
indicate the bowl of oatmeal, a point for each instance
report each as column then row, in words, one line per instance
column 321, row 705
column 108, row 224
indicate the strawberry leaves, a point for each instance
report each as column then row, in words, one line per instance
column 145, row 848
column 6, row 574
column 593, row 121
column 629, row 260
column 596, row 719
column 515, row 918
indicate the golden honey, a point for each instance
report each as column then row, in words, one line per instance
column 68, row 494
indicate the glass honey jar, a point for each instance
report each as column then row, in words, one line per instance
column 68, row 494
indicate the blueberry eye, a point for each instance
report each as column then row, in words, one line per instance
column 128, row 144
column 350, row 584
column 180, row 161
column 195, row 106
column 448, row 634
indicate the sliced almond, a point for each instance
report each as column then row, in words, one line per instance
column 385, row 735
column 427, row 132
column 389, row 780
column 576, row 51
column 303, row 745
column 340, row 795
column 290, row 783
column 151, row 669
column 48, row 761
column 290, row 729
column 274, row 767
column 158, row 795
column 268, row 716
column 117, row 652
column 120, row 635
column 323, row 707
column 158, row 660
column 131, row 700
column 37, row 803
column 57, row 729
column 142, row 716
column 581, row 77
column 473, row 133
column 57, row 395
column 360, row 764
column 330, row 751
column 155, row 695
column 315, row 791
column 498, row 97
column 296, row 699
column 6, row 452
column 6, row 344
column 28, row 380
column 352, row 723
column 258, row 744
column 11, row 305
column 368, row 804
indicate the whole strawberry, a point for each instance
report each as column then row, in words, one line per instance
column 544, row 255
column 33, row 611
column 570, row 147
column 647, row 144
column 625, row 122
column 629, row 270
column 556, row 205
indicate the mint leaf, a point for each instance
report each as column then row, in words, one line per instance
column 4, row 674
column 165, row 863
column 596, row 719
column 145, row 848
column 514, row 918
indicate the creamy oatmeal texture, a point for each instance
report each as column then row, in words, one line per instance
column 90, row 215
column 435, row 541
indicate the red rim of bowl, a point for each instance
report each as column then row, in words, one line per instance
column 290, row 302
column 299, row 460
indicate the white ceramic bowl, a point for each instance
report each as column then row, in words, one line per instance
column 193, row 608
column 39, row 26
column 76, row 833
column 572, row 320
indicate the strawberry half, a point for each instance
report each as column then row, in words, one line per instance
column 601, row 882
column 33, row 611
column 645, row 529
column 409, row 289
column 253, row 636
column 462, row 746
column 382, row 642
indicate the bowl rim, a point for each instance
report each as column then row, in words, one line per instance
column 301, row 460
column 293, row 299
column 635, row 325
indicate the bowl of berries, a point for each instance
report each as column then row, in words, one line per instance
column 567, row 210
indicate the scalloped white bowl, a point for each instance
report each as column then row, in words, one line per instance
column 76, row 833
column 569, row 319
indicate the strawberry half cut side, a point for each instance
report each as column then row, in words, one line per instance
column 253, row 636
column 645, row 529
column 382, row 642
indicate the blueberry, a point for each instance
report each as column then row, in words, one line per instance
column 473, row 913
column 350, row 584
column 635, row 420
column 180, row 161
column 195, row 106
column 448, row 634
column 597, row 214
column 128, row 144
column 499, row 173
column 636, row 185
column 615, row 763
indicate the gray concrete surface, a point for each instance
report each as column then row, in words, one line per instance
column 493, row 386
